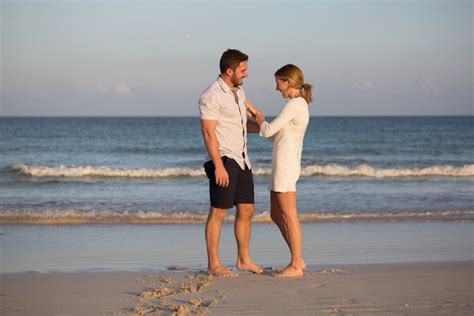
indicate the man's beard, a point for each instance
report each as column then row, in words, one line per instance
column 236, row 82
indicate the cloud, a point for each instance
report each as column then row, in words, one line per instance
column 363, row 85
column 122, row 89
column 428, row 86
column 118, row 89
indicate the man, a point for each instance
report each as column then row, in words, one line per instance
column 224, row 128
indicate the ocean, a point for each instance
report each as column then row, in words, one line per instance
column 150, row 170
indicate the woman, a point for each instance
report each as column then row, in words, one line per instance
column 287, row 131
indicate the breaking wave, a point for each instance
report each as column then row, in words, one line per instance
column 78, row 217
column 331, row 170
column 106, row 172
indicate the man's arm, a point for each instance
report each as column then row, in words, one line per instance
column 208, row 129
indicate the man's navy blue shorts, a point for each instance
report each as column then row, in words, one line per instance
column 240, row 189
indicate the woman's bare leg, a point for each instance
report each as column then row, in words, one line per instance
column 277, row 217
column 289, row 216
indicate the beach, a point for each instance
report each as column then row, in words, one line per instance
column 354, row 268
column 394, row 289
column 107, row 116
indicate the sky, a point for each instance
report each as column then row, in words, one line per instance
column 155, row 58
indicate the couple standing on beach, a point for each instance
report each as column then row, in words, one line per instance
column 224, row 123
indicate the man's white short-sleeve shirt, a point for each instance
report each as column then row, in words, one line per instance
column 218, row 103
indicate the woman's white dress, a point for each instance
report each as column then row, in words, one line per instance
column 287, row 132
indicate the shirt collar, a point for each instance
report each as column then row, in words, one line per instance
column 224, row 85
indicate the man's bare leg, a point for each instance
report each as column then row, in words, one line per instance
column 213, row 234
column 242, row 227
column 276, row 215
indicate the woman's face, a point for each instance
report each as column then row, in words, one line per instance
column 282, row 86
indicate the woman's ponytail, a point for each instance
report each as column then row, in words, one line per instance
column 307, row 93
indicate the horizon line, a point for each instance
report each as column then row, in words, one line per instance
column 197, row 116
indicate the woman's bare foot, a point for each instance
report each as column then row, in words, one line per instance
column 221, row 271
column 303, row 265
column 248, row 266
column 290, row 271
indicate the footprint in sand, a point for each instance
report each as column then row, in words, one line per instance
column 157, row 293
column 167, row 280
column 332, row 310
column 193, row 284
column 143, row 310
column 222, row 293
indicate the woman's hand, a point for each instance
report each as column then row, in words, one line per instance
column 251, row 108
column 259, row 117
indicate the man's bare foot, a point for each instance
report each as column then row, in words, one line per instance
column 221, row 271
column 248, row 266
column 290, row 271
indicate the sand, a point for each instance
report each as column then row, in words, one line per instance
column 392, row 289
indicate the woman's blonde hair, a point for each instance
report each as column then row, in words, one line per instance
column 295, row 79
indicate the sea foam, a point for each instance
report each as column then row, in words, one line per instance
column 332, row 170
column 75, row 217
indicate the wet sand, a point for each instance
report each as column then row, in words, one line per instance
column 72, row 248
column 394, row 289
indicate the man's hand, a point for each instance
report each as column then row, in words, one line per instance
column 208, row 128
column 222, row 177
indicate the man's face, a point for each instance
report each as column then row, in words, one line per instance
column 239, row 74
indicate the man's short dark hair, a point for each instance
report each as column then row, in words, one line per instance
column 231, row 58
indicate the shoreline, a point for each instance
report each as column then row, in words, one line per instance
column 70, row 248
column 436, row 288
column 202, row 268
column 75, row 217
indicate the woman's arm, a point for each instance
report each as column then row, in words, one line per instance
column 270, row 129
column 252, row 125
column 256, row 113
